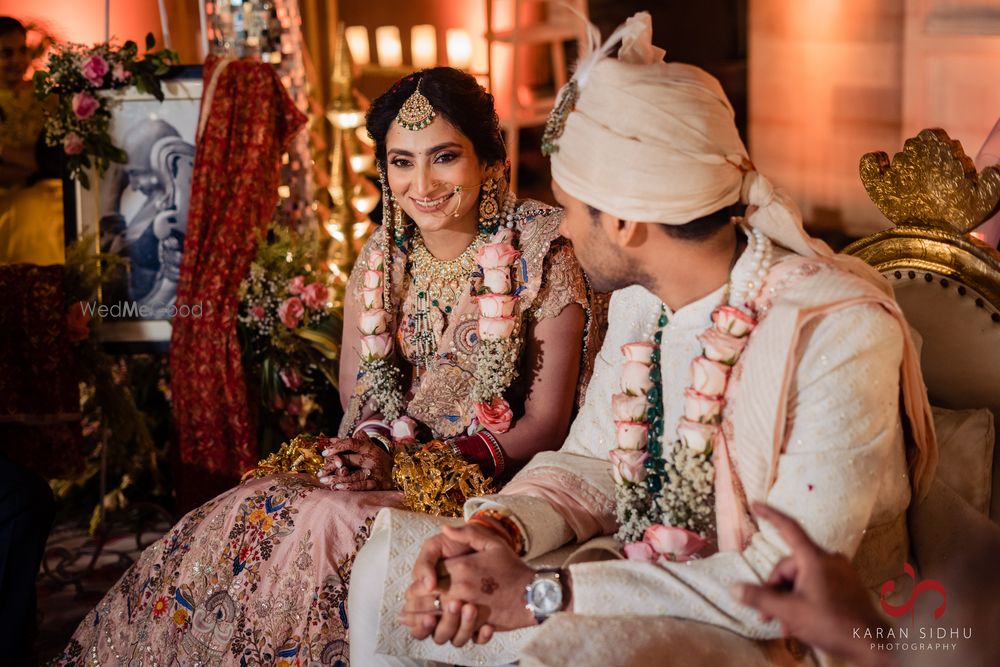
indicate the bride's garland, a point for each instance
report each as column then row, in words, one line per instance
column 499, row 331
column 665, row 489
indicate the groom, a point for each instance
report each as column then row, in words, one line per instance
column 744, row 362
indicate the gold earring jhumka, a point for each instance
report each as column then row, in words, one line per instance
column 488, row 206
column 416, row 112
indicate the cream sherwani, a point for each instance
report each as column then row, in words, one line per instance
column 820, row 377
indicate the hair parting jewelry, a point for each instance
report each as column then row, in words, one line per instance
column 416, row 112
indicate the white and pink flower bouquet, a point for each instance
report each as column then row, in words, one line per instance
column 76, row 74
column 290, row 325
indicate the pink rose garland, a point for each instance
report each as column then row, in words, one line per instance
column 699, row 429
column 496, row 317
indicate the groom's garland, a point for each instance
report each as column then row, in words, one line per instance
column 665, row 488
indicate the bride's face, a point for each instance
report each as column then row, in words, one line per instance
column 424, row 168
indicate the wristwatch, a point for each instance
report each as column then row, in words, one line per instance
column 546, row 593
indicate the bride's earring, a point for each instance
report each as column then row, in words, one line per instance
column 398, row 222
column 488, row 206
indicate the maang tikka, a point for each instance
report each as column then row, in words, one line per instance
column 416, row 112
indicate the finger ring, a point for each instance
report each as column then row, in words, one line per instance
column 437, row 604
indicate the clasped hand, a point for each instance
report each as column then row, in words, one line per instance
column 356, row 464
column 467, row 583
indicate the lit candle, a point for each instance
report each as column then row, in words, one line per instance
column 459, row 48
column 390, row 50
column 423, row 45
column 357, row 42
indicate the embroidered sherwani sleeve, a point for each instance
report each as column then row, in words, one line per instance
column 842, row 428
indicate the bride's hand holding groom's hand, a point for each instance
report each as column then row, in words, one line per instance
column 356, row 464
column 479, row 583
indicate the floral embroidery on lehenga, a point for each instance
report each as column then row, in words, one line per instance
column 250, row 578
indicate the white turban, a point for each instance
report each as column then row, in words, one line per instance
column 652, row 141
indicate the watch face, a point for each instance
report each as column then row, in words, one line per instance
column 546, row 596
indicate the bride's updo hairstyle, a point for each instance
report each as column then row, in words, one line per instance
column 456, row 96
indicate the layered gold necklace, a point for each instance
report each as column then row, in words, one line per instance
column 439, row 284
column 443, row 281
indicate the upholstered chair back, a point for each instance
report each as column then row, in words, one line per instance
column 948, row 285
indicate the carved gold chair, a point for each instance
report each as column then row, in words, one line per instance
column 948, row 285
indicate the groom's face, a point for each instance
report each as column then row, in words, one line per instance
column 605, row 264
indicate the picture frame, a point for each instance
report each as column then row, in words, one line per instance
column 138, row 210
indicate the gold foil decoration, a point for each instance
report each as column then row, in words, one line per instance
column 931, row 182
column 435, row 481
column 302, row 455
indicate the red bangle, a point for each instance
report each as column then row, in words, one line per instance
column 496, row 451
column 475, row 449
column 482, row 449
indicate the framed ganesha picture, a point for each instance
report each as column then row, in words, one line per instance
column 138, row 210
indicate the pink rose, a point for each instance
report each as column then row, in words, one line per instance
column 72, row 144
column 84, row 105
column 496, row 305
column 78, row 322
column 709, row 377
column 496, row 255
column 93, row 69
column 722, row 347
column 296, row 285
column 372, row 322
column 315, row 295
column 495, row 416
column 496, row 328
column 372, row 298
column 372, row 279
column 404, row 429
column 701, row 408
column 290, row 312
column 120, row 74
column 629, row 408
column 290, row 378
column 258, row 312
column 628, row 465
column 698, row 437
column 635, row 378
column 733, row 321
column 675, row 544
column 640, row 551
column 641, row 352
column 497, row 281
column 376, row 347
column 631, row 435
column 375, row 260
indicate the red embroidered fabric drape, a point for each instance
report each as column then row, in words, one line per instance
column 247, row 119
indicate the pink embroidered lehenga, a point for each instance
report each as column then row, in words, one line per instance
column 259, row 575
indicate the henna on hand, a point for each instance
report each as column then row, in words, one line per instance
column 489, row 585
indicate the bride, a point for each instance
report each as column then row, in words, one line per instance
column 466, row 321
